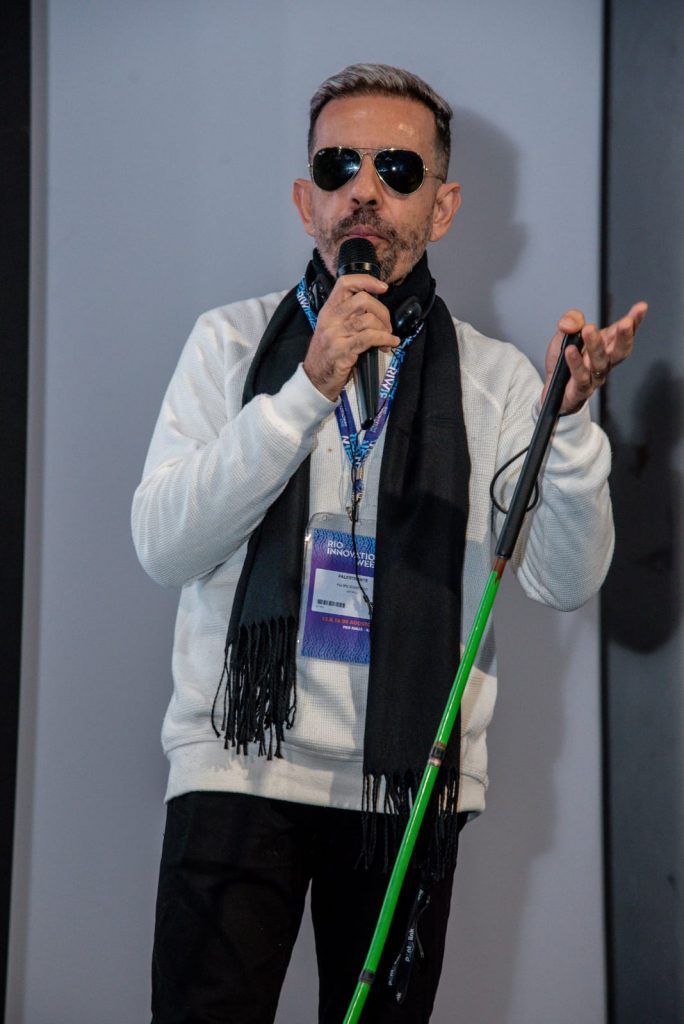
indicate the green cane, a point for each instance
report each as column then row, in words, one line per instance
column 504, row 549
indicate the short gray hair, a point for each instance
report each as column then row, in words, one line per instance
column 385, row 80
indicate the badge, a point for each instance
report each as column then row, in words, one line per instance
column 335, row 619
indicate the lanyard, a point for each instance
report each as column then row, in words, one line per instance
column 358, row 450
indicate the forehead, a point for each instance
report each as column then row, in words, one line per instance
column 373, row 122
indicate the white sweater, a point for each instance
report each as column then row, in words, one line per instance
column 214, row 468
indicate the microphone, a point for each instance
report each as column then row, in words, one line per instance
column 358, row 256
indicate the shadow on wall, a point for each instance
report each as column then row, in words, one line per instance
column 485, row 243
column 641, row 597
column 483, row 249
column 538, row 649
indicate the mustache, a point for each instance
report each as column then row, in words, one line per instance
column 367, row 219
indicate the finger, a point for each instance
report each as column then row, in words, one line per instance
column 372, row 338
column 361, row 300
column 580, row 373
column 638, row 312
column 623, row 342
column 619, row 336
column 367, row 320
column 580, row 385
column 597, row 357
column 352, row 283
column 629, row 324
column 363, row 304
column 571, row 322
column 616, row 340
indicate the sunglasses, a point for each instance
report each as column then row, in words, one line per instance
column 400, row 169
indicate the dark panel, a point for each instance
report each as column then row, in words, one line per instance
column 642, row 598
column 14, row 274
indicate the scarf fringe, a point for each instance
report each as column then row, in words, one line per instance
column 259, row 687
column 383, row 827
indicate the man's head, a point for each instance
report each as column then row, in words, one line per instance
column 385, row 80
column 368, row 108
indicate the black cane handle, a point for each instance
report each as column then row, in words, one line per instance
column 537, row 450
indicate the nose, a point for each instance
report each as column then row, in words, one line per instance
column 366, row 187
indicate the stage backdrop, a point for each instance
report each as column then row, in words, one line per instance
column 167, row 135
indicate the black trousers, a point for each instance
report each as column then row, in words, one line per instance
column 234, row 874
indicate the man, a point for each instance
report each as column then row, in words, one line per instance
column 297, row 732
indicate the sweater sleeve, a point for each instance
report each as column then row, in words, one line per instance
column 214, row 468
column 566, row 544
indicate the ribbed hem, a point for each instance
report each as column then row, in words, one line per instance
column 298, row 776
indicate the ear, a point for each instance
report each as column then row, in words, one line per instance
column 447, row 202
column 301, row 197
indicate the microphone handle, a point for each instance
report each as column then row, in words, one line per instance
column 367, row 383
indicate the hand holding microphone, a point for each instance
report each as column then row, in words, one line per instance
column 351, row 323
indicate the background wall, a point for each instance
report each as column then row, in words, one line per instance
column 170, row 135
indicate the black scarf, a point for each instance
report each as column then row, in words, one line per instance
column 416, row 625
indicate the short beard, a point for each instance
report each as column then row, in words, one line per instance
column 414, row 242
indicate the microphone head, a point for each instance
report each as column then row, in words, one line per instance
column 358, row 256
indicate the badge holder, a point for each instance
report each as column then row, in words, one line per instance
column 335, row 616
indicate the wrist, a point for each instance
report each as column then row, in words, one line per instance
column 575, row 409
column 327, row 387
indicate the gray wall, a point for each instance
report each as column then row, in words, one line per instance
column 170, row 135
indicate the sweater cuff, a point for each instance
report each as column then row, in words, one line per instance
column 298, row 408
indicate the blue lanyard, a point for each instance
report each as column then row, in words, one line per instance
column 358, row 450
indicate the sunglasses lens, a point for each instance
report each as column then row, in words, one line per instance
column 333, row 168
column 400, row 169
